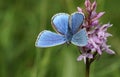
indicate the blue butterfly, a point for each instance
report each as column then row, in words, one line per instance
column 68, row 31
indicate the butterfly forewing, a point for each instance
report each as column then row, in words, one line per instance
column 49, row 39
column 76, row 20
column 60, row 22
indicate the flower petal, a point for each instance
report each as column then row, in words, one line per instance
column 98, row 16
column 80, row 58
column 89, row 55
column 88, row 5
column 79, row 9
column 109, row 51
column 95, row 22
column 94, row 5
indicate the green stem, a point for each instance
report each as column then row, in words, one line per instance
column 88, row 63
column 87, row 68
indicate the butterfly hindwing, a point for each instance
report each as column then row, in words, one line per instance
column 60, row 22
column 80, row 38
column 76, row 20
column 49, row 39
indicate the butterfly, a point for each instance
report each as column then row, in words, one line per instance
column 68, row 28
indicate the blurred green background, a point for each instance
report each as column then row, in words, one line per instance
column 22, row 20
